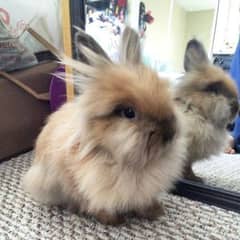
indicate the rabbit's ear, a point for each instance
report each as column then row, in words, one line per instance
column 83, row 74
column 91, row 51
column 83, row 39
column 130, row 47
column 95, row 58
column 195, row 56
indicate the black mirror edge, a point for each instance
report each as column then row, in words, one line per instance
column 207, row 194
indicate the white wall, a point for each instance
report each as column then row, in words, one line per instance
column 166, row 38
column 199, row 25
column 156, row 34
column 227, row 28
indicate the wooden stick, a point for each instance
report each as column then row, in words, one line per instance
column 39, row 96
column 67, row 44
column 45, row 43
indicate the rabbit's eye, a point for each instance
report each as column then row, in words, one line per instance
column 214, row 88
column 128, row 112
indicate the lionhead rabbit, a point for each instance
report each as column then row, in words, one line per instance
column 115, row 147
column 208, row 98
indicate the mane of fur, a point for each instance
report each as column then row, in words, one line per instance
column 102, row 163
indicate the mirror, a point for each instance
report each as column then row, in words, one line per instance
column 166, row 26
column 175, row 23
column 221, row 171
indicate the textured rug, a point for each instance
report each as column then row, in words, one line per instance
column 22, row 218
column 222, row 171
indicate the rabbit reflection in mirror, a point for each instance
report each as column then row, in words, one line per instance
column 208, row 98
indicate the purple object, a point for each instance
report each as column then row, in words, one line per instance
column 58, row 95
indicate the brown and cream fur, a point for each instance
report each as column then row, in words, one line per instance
column 91, row 156
column 207, row 96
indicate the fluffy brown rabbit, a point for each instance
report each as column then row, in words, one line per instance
column 113, row 149
column 208, row 98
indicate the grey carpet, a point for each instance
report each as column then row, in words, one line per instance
column 222, row 171
column 22, row 218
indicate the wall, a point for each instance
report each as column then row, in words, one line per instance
column 227, row 27
column 177, row 38
column 199, row 25
column 173, row 26
column 156, row 41
column 183, row 25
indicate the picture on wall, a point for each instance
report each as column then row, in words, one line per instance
column 105, row 21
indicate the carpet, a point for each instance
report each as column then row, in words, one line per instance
column 22, row 218
column 221, row 171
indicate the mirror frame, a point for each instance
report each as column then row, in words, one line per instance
column 195, row 191
column 218, row 197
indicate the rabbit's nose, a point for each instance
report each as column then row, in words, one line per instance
column 168, row 134
column 168, row 129
column 230, row 127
